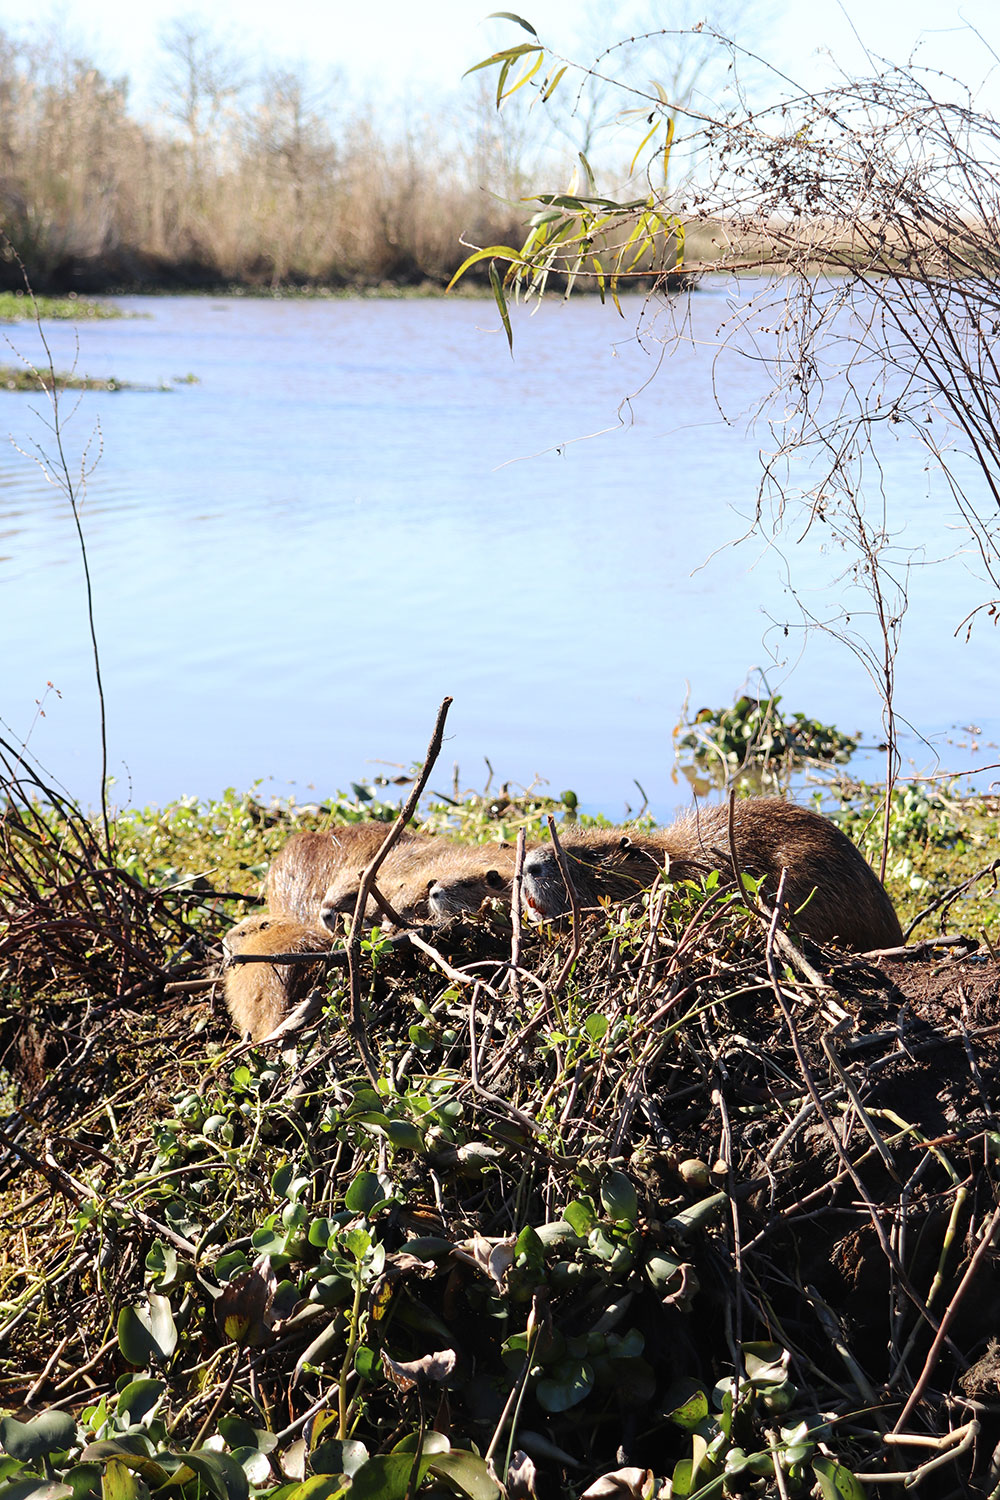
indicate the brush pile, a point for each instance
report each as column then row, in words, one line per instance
column 701, row 1213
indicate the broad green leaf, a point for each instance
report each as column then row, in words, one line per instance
column 218, row 1472
column 387, row 1476
column 316, row 1487
column 686, row 1404
column 146, row 1334
column 581, row 1215
column 570, row 1383
column 596, row 1027
column 467, row 1472
column 364, row 1192
column 139, row 1400
column 338, row 1457
column 835, row 1482
column 49, row 1432
column 84, row 1480
column 618, row 1198
column 36, row 1489
column 119, row 1483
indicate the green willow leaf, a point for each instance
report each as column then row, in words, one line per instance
column 501, row 303
column 508, row 15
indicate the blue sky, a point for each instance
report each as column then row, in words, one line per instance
column 403, row 45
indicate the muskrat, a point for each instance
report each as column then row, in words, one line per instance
column 468, row 876
column 831, row 894
column 427, row 880
column 304, row 867
column 260, row 996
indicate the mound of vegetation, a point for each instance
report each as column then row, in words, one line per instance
column 661, row 1204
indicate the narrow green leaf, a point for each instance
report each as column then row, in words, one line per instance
column 646, row 138
column 508, row 55
column 508, row 15
column 500, row 252
column 501, row 303
column 551, row 84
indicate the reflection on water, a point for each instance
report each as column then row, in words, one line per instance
column 366, row 505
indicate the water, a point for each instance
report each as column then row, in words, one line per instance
column 365, row 505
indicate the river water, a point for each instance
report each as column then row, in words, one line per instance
column 364, row 505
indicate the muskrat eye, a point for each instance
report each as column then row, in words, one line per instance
column 625, row 842
column 263, row 926
column 494, row 879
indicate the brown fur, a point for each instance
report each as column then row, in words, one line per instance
column 305, row 867
column 260, row 996
column 468, row 876
column 831, row 894
column 427, row 880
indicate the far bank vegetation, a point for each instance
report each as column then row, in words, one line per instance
column 263, row 181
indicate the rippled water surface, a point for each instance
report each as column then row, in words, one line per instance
column 363, row 506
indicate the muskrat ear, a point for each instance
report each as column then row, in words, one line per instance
column 494, row 880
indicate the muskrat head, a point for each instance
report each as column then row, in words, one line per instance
column 543, row 892
column 340, row 899
column 452, row 896
column 236, row 937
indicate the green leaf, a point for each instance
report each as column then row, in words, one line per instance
column 49, row 1432
column 387, row 1477
column 133, row 1450
column 218, row 1472
column 508, row 15
column 161, row 1262
column 501, row 303
column 84, row 1480
column 149, row 1333
column 686, row 1404
column 596, row 1026
column 36, row 1489
column 139, row 1400
column 570, row 1383
column 119, row 1483
column 618, row 1198
column 316, row 1487
column 581, row 1216
column 338, row 1457
column 367, row 1363
column 364, row 1192
column 835, row 1482
column 467, row 1472
column 505, row 57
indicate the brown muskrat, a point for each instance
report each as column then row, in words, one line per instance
column 468, row 876
column 304, row 867
column 831, row 894
column 426, row 880
column 260, row 996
